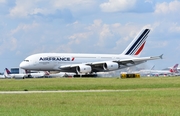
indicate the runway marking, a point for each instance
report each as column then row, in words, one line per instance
column 83, row 91
column 61, row 91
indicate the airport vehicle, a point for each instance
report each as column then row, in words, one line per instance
column 129, row 75
column 90, row 63
column 8, row 74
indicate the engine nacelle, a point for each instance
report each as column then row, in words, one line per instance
column 83, row 69
column 110, row 66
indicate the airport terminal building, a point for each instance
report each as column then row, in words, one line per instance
column 17, row 70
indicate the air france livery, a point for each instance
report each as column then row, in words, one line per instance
column 90, row 63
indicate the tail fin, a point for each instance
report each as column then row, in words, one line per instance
column 174, row 69
column 46, row 73
column 6, row 72
column 136, row 46
column 152, row 67
column 26, row 71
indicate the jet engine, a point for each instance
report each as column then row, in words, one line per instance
column 83, row 69
column 110, row 66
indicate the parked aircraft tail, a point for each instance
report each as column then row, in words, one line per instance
column 137, row 45
column 174, row 69
column 6, row 73
column 153, row 67
column 46, row 73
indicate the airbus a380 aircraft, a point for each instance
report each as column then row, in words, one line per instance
column 90, row 63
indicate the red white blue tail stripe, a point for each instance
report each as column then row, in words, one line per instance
column 137, row 45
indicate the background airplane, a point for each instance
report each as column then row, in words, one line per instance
column 39, row 74
column 60, row 74
column 90, row 63
column 46, row 74
column 178, row 68
column 8, row 74
column 170, row 72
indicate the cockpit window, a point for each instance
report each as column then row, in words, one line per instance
column 26, row 60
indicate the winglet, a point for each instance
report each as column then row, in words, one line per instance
column 157, row 57
column 137, row 45
column 161, row 56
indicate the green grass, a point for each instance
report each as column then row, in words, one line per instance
column 87, row 83
column 148, row 96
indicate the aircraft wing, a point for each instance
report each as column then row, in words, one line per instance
column 141, row 59
column 128, row 61
column 99, row 66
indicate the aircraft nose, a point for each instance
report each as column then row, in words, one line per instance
column 23, row 65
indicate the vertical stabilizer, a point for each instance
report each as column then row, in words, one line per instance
column 174, row 69
column 7, row 73
column 46, row 73
column 137, row 45
column 153, row 67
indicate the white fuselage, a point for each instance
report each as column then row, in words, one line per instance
column 53, row 61
column 2, row 76
column 16, row 76
column 36, row 75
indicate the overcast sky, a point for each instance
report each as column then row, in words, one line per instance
column 88, row 26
